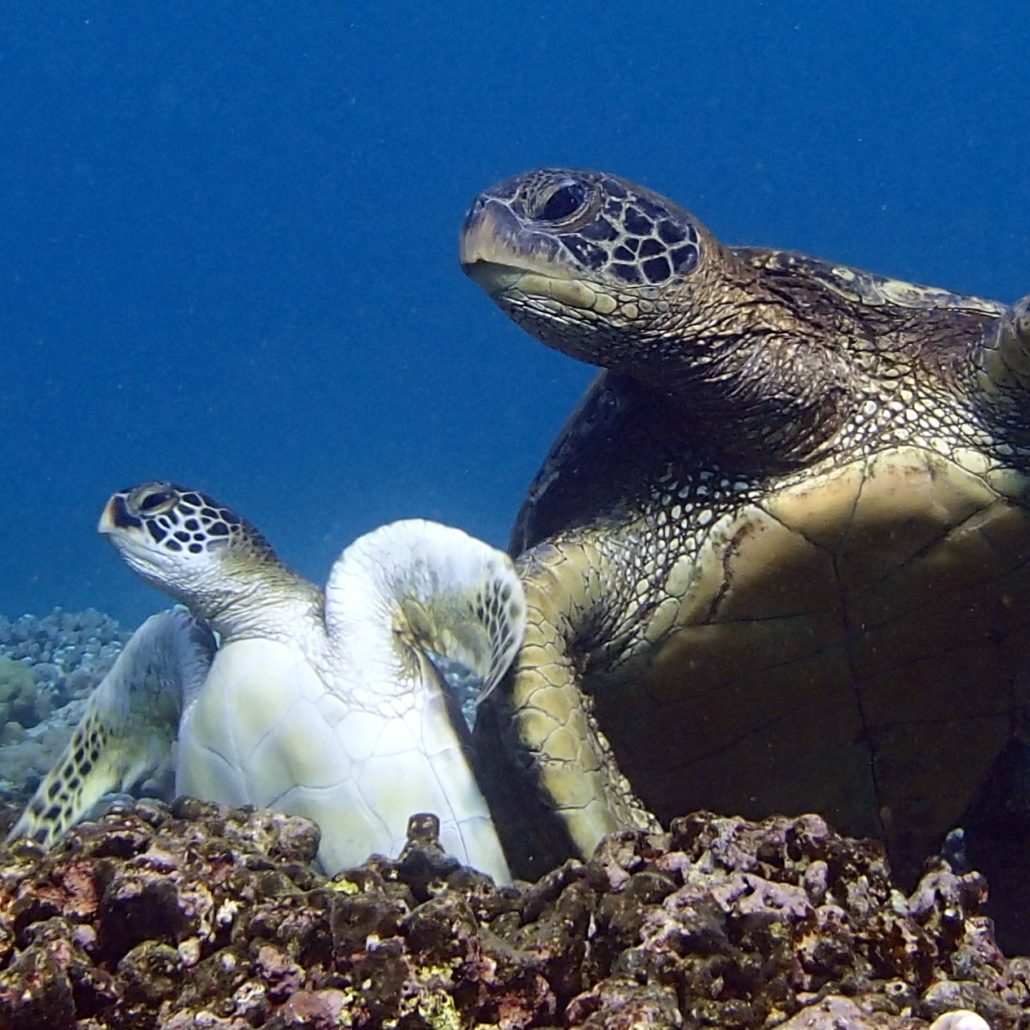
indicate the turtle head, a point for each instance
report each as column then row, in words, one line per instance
column 184, row 542
column 588, row 262
column 618, row 276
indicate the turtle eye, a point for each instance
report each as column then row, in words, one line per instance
column 154, row 501
column 561, row 203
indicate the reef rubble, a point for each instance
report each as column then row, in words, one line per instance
column 196, row 915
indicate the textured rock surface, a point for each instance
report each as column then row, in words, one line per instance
column 203, row 916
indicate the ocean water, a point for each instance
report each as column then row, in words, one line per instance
column 228, row 233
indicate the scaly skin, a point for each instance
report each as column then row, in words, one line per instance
column 782, row 551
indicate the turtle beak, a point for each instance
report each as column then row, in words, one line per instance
column 488, row 245
column 115, row 516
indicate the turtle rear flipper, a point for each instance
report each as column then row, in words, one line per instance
column 129, row 725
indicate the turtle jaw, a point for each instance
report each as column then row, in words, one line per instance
column 525, row 272
column 116, row 516
column 128, row 535
column 514, row 289
column 498, row 250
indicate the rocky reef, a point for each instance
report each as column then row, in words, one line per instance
column 201, row 916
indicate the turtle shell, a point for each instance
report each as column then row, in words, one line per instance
column 849, row 638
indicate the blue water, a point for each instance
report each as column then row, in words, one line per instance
column 228, row 233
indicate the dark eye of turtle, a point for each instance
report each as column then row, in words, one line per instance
column 564, row 202
column 151, row 502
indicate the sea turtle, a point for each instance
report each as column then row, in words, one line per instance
column 779, row 558
column 326, row 705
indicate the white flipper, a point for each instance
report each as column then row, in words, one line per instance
column 437, row 588
column 129, row 725
column 395, row 598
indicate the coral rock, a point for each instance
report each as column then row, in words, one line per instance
column 202, row 916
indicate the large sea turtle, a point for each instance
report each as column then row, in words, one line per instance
column 779, row 558
column 328, row 705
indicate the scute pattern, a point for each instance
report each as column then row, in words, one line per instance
column 180, row 519
column 329, row 757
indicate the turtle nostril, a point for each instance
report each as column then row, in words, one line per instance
column 562, row 203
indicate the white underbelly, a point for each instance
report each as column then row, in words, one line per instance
column 265, row 732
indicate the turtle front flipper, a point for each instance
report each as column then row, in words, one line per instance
column 452, row 596
column 398, row 601
column 540, row 746
column 129, row 725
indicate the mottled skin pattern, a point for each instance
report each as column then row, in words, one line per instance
column 780, row 555
column 139, row 702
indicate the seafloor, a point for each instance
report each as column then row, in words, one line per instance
column 192, row 914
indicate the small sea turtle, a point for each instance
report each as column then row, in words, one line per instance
column 779, row 558
column 326, row 705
